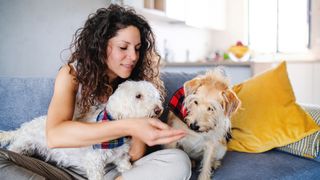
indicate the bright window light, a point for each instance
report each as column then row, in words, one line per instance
column 293, row 25
column 278, row 26
column 262, row 25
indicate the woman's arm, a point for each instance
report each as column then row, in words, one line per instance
column 61, row 131
column 137, row 149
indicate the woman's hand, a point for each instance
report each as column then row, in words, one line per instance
column 154, row 132
column 137, row 149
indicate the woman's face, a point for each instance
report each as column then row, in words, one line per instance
column 123, row 52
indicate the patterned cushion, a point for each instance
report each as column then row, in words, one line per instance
column 309, row 146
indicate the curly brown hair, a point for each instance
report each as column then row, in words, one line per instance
column 89, row 52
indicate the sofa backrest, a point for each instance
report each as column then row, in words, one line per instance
column 173, row 81
column 22, row 99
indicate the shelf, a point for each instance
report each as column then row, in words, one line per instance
column 209, row 14
column 152, row 14
column 197, row 64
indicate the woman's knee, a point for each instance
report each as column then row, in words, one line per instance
column 179, row 164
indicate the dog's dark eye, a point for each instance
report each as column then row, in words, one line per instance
column 196, row 102
column 138, row 96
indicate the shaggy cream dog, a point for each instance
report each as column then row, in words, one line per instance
column 203, row 107
column 130, row 100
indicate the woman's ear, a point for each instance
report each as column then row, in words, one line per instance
column 191, row 86
column 231, row 102
column 108, row 49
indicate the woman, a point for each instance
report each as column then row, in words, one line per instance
column 115, row 44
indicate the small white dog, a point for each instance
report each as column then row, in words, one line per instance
column 132, row 99
column 203, row 107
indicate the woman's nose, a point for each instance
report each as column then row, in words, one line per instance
column 133, row 55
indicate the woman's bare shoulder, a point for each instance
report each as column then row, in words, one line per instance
column 66, row 78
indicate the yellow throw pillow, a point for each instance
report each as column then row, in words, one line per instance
column 269, row 116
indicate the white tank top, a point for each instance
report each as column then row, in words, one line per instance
column 77, row 108
column 76, row 113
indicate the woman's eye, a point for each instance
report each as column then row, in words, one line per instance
column 123, row 48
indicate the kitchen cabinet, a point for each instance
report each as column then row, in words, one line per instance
column 158, row 5
column 159, row 10
column 176, row 9
column 209, row 14
column 206, row 13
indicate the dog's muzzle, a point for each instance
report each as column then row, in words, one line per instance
column 194, row 126
column 157, row 112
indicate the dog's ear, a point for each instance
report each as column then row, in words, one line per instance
column 230, row 103
column 191, row 86
column 221, row 85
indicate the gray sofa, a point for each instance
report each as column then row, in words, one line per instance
column 22, row 99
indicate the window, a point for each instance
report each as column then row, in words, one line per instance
column 279, row 26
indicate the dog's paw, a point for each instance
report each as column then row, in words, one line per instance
column 124, row 166
column 204, row 176
column 94, row 175
column 216, row 164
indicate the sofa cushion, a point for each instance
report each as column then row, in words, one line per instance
column 309, row 146
column 23, row 99
column 269, row 116
column 268, row 165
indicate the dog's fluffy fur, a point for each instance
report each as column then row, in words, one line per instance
column 210, row 103
column 130, row 100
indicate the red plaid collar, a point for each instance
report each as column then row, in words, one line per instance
column 176, row 104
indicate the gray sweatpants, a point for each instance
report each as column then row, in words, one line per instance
column 168, row 164
column 160, row 165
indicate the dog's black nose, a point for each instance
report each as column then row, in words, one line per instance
column 194, row 126
column 157, row 110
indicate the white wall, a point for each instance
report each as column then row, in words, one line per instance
column 236, row 26
column 304, row 78
column 180, row 39
column 315, row 28
column 34, row 32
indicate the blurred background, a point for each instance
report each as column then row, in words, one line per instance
column 245, row 36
